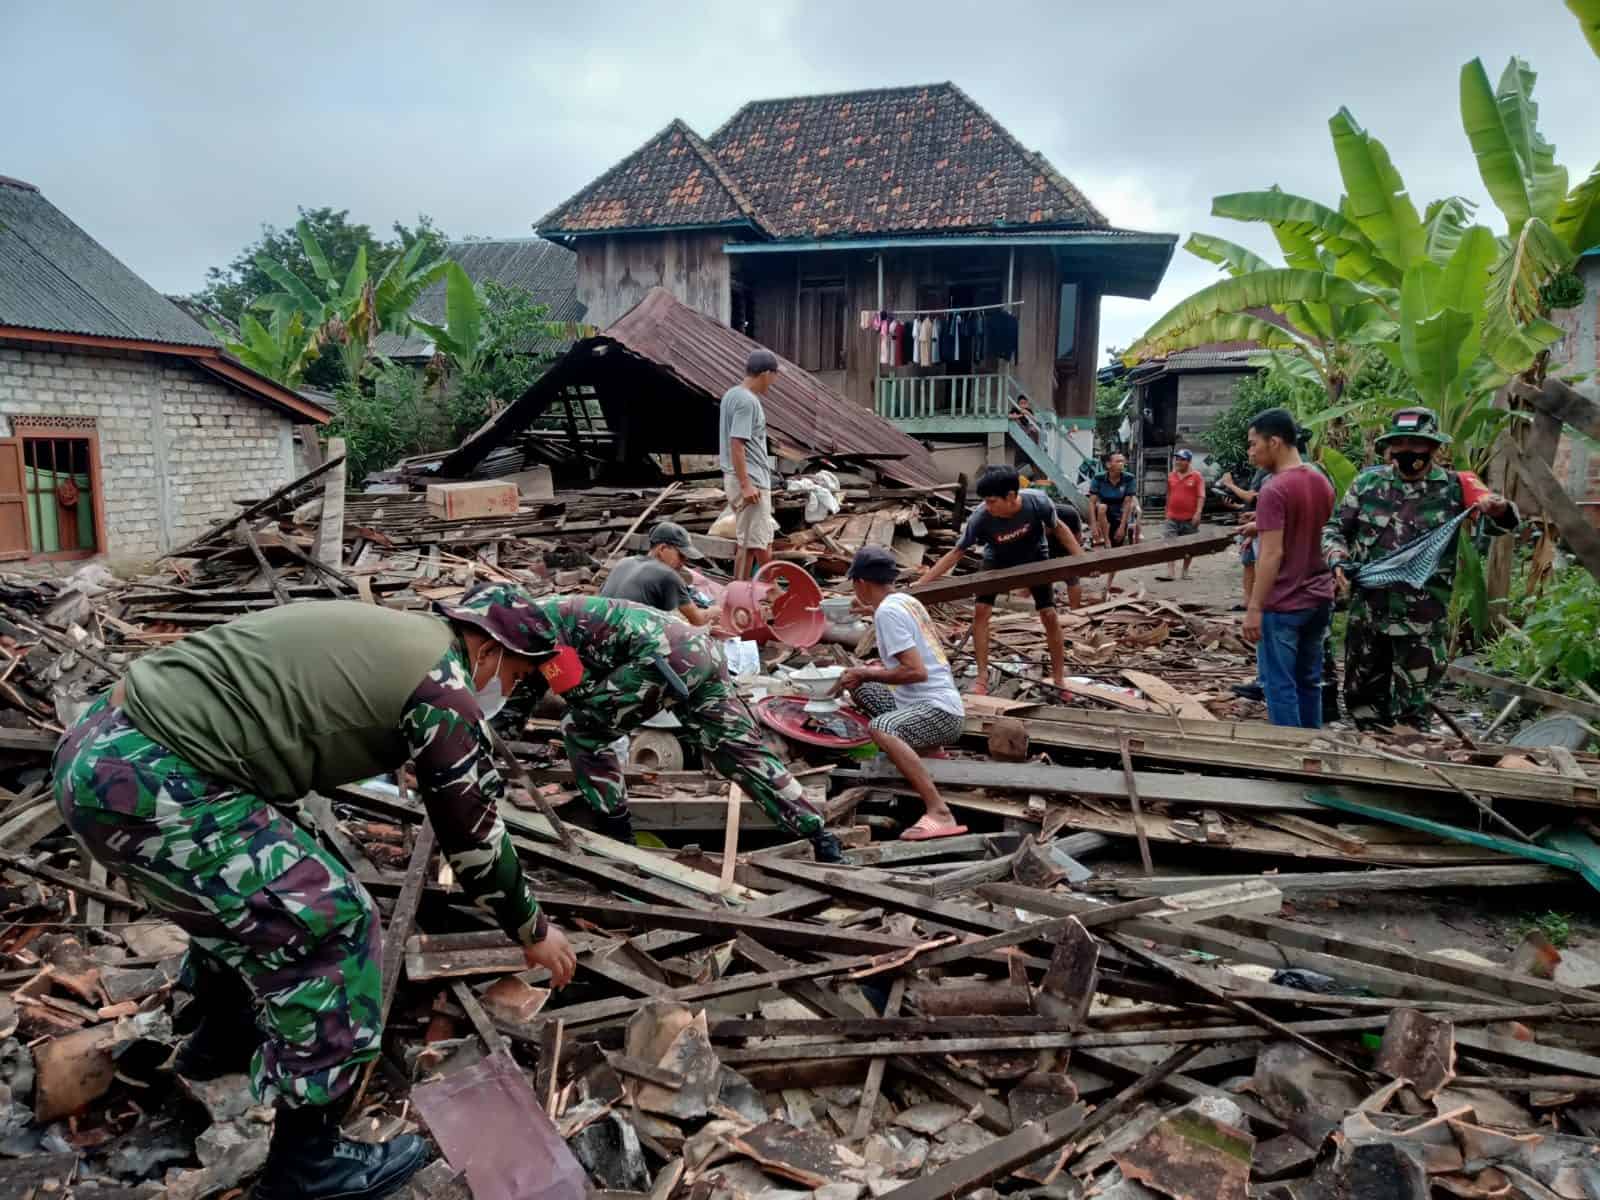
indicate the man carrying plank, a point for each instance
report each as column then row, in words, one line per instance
column 1011, row 525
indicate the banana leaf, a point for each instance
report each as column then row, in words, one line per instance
column 1516, row 163
column 1341, row 471
column 1577, row 221
column 356, row 280
column 1297, row 366
column 1234, row 297
column 304, row 298
column 1514, row 331
column 1442, row 227
column 1588, row 14
column 1302, row 225
column 1471, row 591
column 1230, row 256
column 1378, row 202
column 319, row 260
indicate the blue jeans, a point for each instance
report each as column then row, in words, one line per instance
column 1289, row 660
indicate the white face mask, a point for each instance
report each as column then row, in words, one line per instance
column 491, row 697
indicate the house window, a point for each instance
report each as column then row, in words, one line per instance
column 822, row 324
column 50, row 501
column 1067, row 322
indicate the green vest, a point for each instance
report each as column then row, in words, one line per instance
column 293, row 700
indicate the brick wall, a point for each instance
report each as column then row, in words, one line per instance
column 177, row 446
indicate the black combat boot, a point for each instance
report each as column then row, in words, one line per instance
column 826, row 848
column 616, row 826
column 308, row 1160
column 221, row 1022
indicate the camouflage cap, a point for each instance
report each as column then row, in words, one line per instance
column 507, row 614
column 1414, row 423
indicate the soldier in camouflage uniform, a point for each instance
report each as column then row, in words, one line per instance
column 1395, row 641
column 637, row 661
column 177, row 781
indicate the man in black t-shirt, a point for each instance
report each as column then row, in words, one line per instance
column 1011, row 525
column 1069, row 516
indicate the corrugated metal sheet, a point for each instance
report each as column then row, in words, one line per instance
column 706, row 358
column 547, row 271
column 55, row 277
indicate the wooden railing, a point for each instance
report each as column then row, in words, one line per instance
column 917, row 397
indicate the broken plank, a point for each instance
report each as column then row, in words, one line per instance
column 1482, row 679
column 843, row 885
column 15, row 862
column 1170, row 699
column 874, row 1084
column 887, row 1026
column 1528, row 1054
column 820, row 1050
column 1093, row 562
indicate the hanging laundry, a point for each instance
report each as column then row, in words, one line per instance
column 925, row 342
column 934, row 341
column 980, row 336
column 885, row 355
column 1003, row 335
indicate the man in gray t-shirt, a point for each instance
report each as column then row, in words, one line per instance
column 746, row 465
column 654, row 578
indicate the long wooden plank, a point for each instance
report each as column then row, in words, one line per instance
column 1568, row 405
column 1393, row 879
column 1094, row 562
column 15, row 862
column 1194, row 746
column 1520, row 1053
column 819, row 1051
column 1465, row 674
column 869, row 894
column 330, row 526
column 1199, row 791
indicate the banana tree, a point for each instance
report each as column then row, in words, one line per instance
column 1588, row 14
column 281, row 349
column 349, row 312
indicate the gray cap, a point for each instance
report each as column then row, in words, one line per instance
column 874, row 564
column 669, row 533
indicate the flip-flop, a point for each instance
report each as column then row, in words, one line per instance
column 927, row 829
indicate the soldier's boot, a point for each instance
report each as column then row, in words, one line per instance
column 618, row 826
column 826, row 848
column 224, row 1035
column 309, row 1160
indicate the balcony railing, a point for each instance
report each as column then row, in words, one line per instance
column 935, row 397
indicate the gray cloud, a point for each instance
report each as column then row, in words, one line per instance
column 171, row 131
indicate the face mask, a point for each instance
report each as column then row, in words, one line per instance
column 491, row 697
column 1410, row 462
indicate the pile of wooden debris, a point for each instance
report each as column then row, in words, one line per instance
column 1108, row 987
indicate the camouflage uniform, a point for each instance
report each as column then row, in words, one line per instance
column 259, row 896
column 1395, row 642
column 621, row 645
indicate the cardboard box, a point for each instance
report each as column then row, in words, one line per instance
column 477, row 498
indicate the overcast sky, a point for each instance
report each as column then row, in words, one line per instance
column 172, row 129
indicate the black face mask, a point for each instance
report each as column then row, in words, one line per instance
column 1410, row 462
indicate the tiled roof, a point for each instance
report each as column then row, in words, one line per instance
column 670, row 182
column 898, row 160
column 542, row 268
column 55, row 278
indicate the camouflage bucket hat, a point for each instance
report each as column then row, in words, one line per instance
column 508, row 615
column 1414, row 423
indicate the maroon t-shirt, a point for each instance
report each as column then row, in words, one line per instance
column 1298, row 501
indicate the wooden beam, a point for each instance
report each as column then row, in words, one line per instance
column 15, row 862
column 1482, row 679
column 1384, row 880
column 817, row 1051
column 866, row 1110
column 330, row 528
column 844, row 885
column 1093, row 562
column 1582, row 538
column 1569, row 406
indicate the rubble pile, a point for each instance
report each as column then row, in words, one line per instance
column 1108, row 987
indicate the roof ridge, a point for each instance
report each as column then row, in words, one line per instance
column 606, row 175
column 19, row 184
column 1069, row 190
column 521, row 239
column 720, row 173
column 880, row 91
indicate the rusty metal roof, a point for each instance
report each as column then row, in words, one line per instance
column 705, row 358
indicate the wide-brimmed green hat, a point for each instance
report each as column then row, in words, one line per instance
column 1414, row 423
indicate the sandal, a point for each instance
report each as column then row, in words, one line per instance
column 927, row 829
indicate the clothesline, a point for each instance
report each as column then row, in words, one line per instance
column 934, row 312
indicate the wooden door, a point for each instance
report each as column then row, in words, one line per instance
column 14, row 542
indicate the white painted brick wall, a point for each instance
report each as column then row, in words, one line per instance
column 220, row 446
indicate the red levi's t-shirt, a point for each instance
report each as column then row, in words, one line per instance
column 1298, row 501
column 1184, row 493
